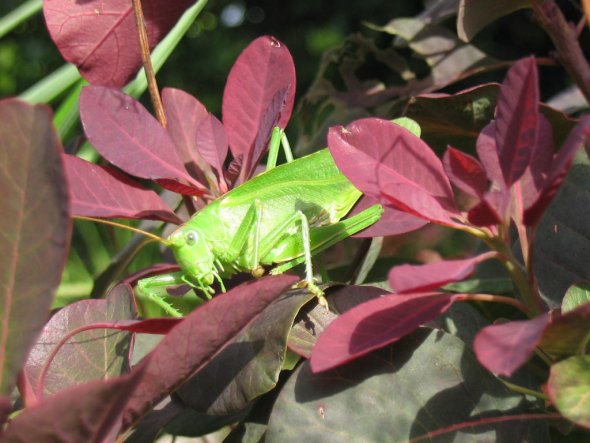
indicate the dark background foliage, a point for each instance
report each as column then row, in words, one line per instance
column 200, row 63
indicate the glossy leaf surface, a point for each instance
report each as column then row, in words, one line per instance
column 373, row 325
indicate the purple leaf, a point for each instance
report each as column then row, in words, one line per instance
column 373, row 325
column 484, row 214
column 124, row 133
column 101, row 191
column 465, row 172
column 100, row 37
column 504, row 348
column 201, row 336
column 86, row 413
column 212, row 143
column 487, row 151
column 392, row 222
column 557, row 171
column 517, row 119
column 388, row 162
column 185, row 113
column 107, row 350
column 406, row 279
column 259, row 94
column 35, row 226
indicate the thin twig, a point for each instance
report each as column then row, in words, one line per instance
column 147, row 63
column 564, row 38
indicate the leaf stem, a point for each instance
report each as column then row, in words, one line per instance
column 147, row 63
column 497, row 299
column 522, row 390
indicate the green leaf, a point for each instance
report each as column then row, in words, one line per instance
column 35, row 228
column 569, row 387
column 428, row 381
column 474, row 15
column 576, row 295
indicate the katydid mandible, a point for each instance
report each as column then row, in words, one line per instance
column 281, row 217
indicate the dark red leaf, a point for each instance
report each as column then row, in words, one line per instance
column 101, row 191
column 212, row 143
column 373, row 325
column 185, row 113
column 100, row 37
column 388, row 162
column 421, row 278
column 35, row 227
column 200, row 337
column 107, row 351
column 392, row 222
column 517, row 119
column 557, row 171
column 259, row 94
column 504, row 348
column 484, row 214
column 124, row 133
column 86, row 413
column 465, row 172
column 487, row 151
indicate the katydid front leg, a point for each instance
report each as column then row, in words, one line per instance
column 148, row 288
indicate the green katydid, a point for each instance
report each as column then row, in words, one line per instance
column 281, row 217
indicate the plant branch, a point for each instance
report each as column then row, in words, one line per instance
column 496, row 299
column 147, row 63
column 565, row 40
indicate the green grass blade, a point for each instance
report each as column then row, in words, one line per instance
column 52, row 86
column 19, row 15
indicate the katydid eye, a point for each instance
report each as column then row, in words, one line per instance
column 191, row 238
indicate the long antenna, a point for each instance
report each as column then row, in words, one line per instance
column 122, row 226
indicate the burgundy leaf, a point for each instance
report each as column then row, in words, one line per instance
column 535, row 176
column 35, row 227
column 465, row 172
column 484, row 214
column 124, row 133
column 100, row 37
column 517, row 119
column 557, row 171
column 89, row 355
column 212, row 143
column 86, row 413
column 392, row 221
column 259, row 94
column 504, row 348
column 388, row 162
column 101, row 191
column 487, row 151
column 148, row 326
column 375, row 324
column 421, row 278
column 185, row 113
column 200, row 337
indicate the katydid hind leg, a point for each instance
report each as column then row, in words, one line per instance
column 325, row 236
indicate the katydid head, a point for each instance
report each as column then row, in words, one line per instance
column 193, row 254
